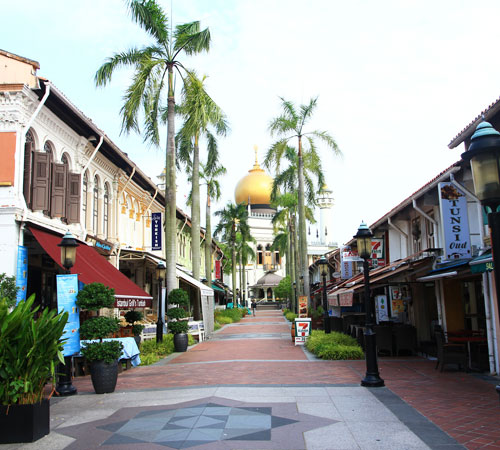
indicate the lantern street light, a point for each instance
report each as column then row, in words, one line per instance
column 68, row 246
column 323, row 267
column 484, row 156
column 160, row 276
column 364, row 243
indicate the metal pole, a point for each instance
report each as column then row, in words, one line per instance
column 159, row 322
column 372, row 377
column 326, row 317
column 494, row 224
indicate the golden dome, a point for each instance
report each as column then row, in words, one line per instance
column 255, row 187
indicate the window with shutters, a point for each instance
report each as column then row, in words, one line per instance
column 84, row 197
column 260, row 258
column 29, row 148
column 105, row 215
column 41, row 181
column 95, row 206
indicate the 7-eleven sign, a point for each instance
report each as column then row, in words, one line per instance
column 302, row 330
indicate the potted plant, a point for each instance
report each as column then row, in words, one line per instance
column 179, row 299
column 102, row 355
column 132, row 317
column 29, row 352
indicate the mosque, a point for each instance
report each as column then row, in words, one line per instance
column 267, row 269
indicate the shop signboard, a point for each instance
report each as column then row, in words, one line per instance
column 346, row 298
column 302, row 330
column 303, row 306
column 67, row 289
column 156, row 231
column 381, row 308
column 132, row 302
column 218, row 269
column 22, row 273
column 455, row 222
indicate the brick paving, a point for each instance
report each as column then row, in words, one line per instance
column 461, row 404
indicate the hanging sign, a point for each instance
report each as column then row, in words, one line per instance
column 22, row 273
column 67, row 288
column 218, row 269
column 455, row 222
column 156, row 231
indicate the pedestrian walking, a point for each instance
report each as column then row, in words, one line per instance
column 254, row 307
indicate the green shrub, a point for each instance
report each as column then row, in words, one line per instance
column 8, row 289
column 29, row 351
column 177, row 297
column 95, row 296
column 217, row 326
column 285, row 311
column 234, row 314
column 152, row 352
column 291, row 316
column 178, row 326
column 223, row 320
column 133, row 316
column 334, row 345
column 105, row 351
column 99, row 328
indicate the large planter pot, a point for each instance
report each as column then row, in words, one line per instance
column 180, row 342
column 292, row 332
column 24, row 423
column 104, row 376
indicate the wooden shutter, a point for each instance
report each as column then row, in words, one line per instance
column 73, row 198
column 58, row 190
column 41, row 181
column 28, row 155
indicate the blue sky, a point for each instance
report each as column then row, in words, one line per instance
column 396, row 80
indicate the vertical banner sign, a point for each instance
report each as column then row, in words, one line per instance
column 381, row 308
column 347, row 258
column 303, row 306
column 22, row 273
column 67, row 288
column 453, row 204
column 217, row 270
column 156, row 231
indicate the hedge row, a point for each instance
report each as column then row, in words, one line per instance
column 334, row 345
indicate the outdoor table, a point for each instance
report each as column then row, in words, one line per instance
column 129, row 351
column 467, row 340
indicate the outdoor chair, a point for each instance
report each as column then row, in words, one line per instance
column 450, row 353
column 384, row 338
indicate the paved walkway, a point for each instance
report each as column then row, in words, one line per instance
column 249, row 387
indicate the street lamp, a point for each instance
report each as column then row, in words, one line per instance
column 323, row 267
column 68, row 246
column 484, row 156
column 160, row 276
column 364, row 243
column 237, row 298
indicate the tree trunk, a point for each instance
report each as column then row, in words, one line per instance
column 233, row 272
column 241, row 274
column 245, row 293
column 208, row 244
column 195, row 226
column 295, row 247
column 288, row 264
column 170, row 192
column 304, row 269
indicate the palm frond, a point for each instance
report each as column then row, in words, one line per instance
column 189, row 38
column 151, row 18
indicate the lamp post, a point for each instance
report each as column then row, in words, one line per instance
column 364, row 243
column 484, row 156
column 160, row 276
column 323, row 267
column 68, row 246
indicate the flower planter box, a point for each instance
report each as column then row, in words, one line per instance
column 24, row 423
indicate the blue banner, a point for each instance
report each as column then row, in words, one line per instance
column 455, row 221
column 22, row 273
column 156, row 231
column 67, row 288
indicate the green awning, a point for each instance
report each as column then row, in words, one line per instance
column 217, row 288
column 481, row 264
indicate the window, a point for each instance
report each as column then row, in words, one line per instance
column 29, row 148
column 260, row 258
column 277, row 258
column 84, row 199
column 95, row 206
column 429, row 229
column 417, row 234
column 106, row 211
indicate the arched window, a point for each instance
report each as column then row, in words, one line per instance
column 106, row 212
column 29, row 148
column 277, row 258
column 260, row 257
column 95, row 206
column 84, row 199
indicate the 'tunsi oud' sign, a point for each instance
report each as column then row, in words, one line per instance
column 455, row 222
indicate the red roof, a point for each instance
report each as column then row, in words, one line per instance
column 92, row 267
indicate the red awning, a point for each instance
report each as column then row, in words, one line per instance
column 91, row 267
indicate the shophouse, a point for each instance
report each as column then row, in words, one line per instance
column 61, row 173
column 423, row 270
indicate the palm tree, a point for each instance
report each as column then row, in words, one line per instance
column 245, row 254
column 209, row 176
column 200, row 112
column 154, row 67
column 232, row 218
column 289, row 125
